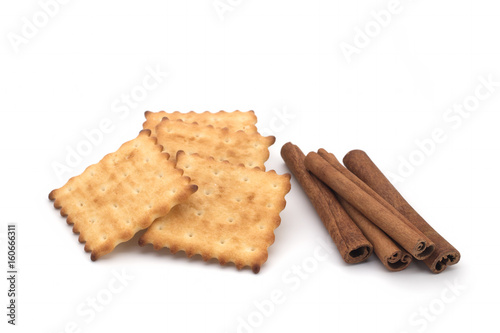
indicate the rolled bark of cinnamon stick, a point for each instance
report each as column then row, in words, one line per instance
column 390, row 254
column 390, row 221
column 361, row 165
column 350, row 241
column 330, row 158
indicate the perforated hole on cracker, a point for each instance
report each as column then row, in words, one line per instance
column 112, row 200
column 218, row 226
column 208, row 141
column 234, row 121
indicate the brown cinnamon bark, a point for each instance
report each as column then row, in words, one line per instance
column 359, row 163
column 389, row 220
column 330, row 158
column 390, row 254
column 350, row 241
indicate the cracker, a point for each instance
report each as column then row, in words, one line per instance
column 125, row 192
column 234, row 121
column 219, row 143
column 232, row 217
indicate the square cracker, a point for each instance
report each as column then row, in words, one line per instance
column 232, row 217
column 234, row 121
column 125, row 192
column 239, row 147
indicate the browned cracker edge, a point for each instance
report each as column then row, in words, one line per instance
column 146, row 113
column 271, row 139
column 239, row 265
column 53, row 194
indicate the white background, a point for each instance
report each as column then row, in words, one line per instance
column 271, row 57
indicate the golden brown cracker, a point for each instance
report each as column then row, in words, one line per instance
column 125, row 192
column 239, row 147
column 234, row 121
column 232, row 217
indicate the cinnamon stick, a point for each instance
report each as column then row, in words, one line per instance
column 350, row 241
column 393, row 224
column 330, row 158
column 390, row 254
column 360, row 164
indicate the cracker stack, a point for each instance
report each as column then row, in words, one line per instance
column 150, row 183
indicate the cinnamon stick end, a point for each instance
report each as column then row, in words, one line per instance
column 352, row 154
column 398, row 261
column 359, row 254
column 446, row 259
column 423, row 250
column 285, row 148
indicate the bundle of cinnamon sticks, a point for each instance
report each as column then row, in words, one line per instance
column 364, row 213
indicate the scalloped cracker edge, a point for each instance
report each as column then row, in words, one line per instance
column 123, row 193
column 251, row 150
column 232, row 217
column 234, row 121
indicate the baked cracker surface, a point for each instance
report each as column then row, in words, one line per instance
column 125, row 192
column 232, row 217
column 234, row 121
column 252, row 150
